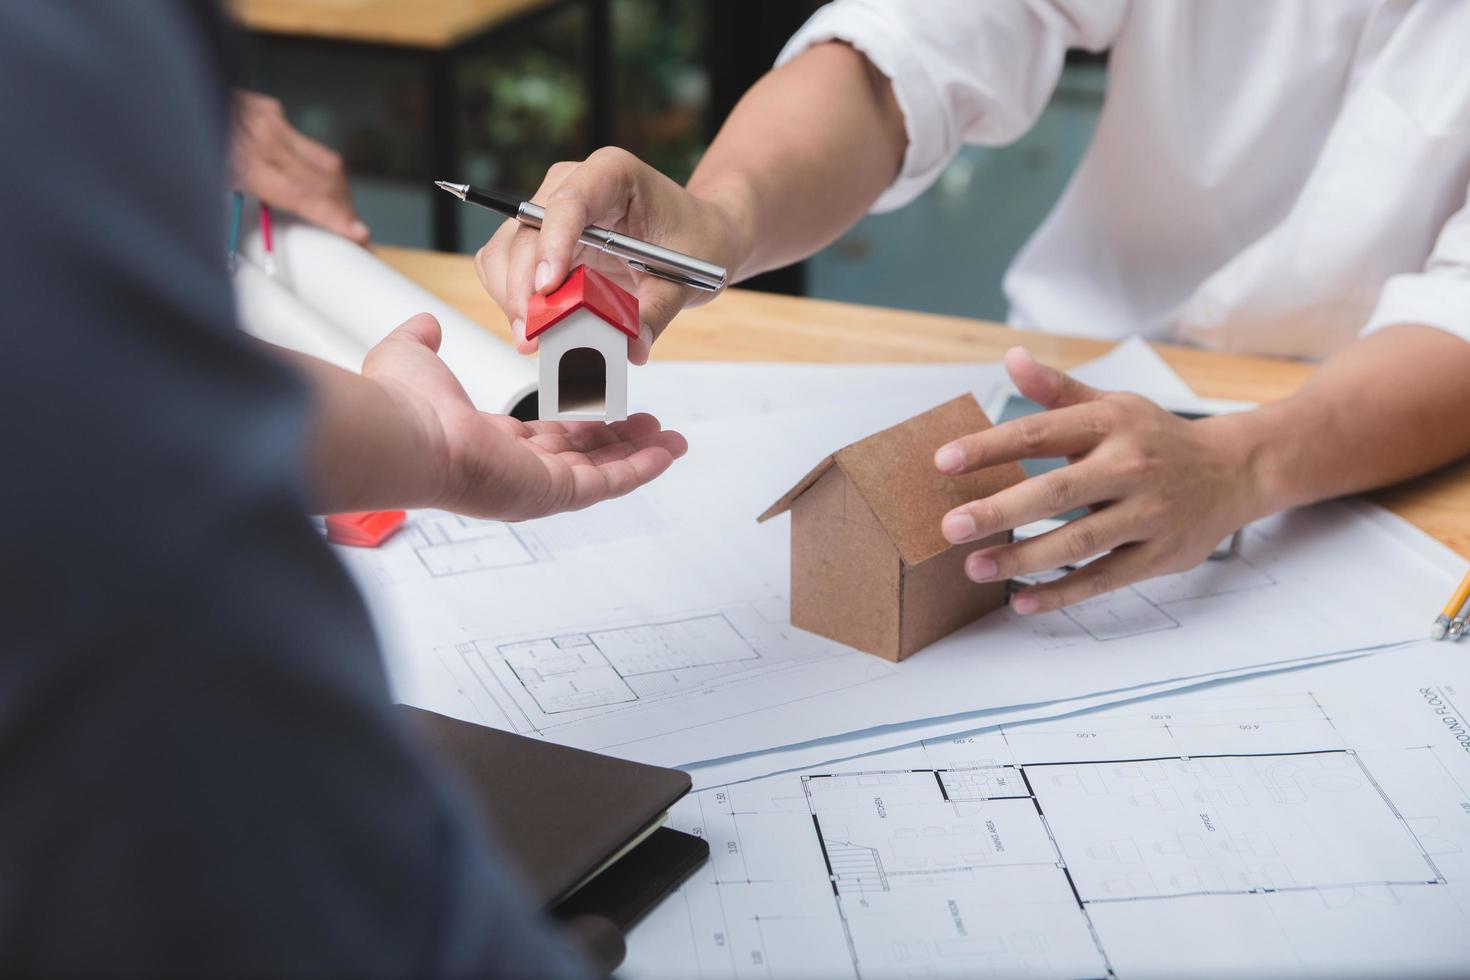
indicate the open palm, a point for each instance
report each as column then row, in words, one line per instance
column 501, row 468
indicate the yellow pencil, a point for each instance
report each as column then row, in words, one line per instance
column 1458, row 624
column 1451, row 609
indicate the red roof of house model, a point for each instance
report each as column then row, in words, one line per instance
column 584, row 288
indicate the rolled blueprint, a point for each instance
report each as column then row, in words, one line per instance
column 268, row 311
column 353, row 289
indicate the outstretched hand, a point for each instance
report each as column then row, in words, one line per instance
column 1162, row 491
column 497, row 467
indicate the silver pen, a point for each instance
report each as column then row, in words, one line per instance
column 655, row 260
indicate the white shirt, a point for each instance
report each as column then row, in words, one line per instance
column 1273, row 176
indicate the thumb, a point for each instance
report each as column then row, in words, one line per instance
column 1044, row 385
column 659, row 301
column 422, row 329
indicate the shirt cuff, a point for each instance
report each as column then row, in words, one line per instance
column 1438, row 299
column 885, row 43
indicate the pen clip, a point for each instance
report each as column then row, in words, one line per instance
column 671, row 276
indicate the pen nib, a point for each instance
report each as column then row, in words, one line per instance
column 458, row 190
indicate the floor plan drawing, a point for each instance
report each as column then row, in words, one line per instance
column 453, row 545
column 1145, row 606
column 1118, row 616
column 436, row 544
column 1234, row 573
column 892, row 840
column 558, row 684
column 582, row 670
column 1274, row 820
column 481, row 620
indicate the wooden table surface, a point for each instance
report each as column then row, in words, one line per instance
column 750, row 326
column 427, row 24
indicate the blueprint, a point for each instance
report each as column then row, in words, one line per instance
column 1310, row 823
column 525, row 627
column 654, row 626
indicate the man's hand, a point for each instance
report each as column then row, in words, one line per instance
column 497, row 467
column 286, row 170
column 1162, row 491
column 615, row 190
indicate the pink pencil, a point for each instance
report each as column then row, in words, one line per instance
column 266, row 239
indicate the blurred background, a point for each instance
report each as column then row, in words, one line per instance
column 495, row 91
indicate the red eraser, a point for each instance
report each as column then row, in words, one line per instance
column 367, row 529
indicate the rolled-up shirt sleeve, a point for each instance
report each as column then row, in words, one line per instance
column 1439, row 294
column 963, row 71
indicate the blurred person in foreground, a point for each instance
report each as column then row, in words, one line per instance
column 204, row 777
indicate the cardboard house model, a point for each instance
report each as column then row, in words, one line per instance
column 582, row 329
column 869, row 566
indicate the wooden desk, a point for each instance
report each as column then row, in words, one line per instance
column 438, row 25
column 748, row 326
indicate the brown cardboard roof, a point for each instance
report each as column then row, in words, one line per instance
column 894, row 472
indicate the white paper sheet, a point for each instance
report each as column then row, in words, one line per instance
column 684, row 392
column 1309, row 823
column 828, row 751
column 271, row 312
column 655, row 627
column 364, row 299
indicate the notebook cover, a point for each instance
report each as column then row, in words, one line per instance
column 648, row 874
column 558, row 812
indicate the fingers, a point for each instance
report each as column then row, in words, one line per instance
column 417, row 332
column 289, row 170
column 1044, row 385
column 594, row 484
column 586, row 439
column 1047, row 495
column 330, row 208
column 1071, row 544
column 610, row 188
column 316, row 155
column 421, row 330
column 491, row 263
column 520, row 261
column 516, row 254
column 1069, row 431
column 601, row 187
column 1126, row 565
column 620, row 467
column 659, row 301
column 619, row 449
column 325, row 200
column 332, row 212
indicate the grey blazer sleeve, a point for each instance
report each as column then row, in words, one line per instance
column 202, row 776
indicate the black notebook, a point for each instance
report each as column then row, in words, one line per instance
column 585, row 830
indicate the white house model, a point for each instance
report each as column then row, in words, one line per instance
column 582, row 329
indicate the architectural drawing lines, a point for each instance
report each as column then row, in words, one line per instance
column 587, row 670
column 1259, row 829
column 1210, row 825
column 449, row 545
column 1260, row 891
column 1439, row 878
column 517, row 718
column 719, row 893
column 1144, row 607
